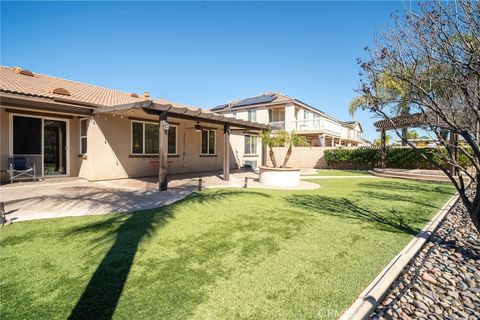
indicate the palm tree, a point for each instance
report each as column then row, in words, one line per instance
column 412, row 134
column 377, row 142
column 391, row 91
column 282, row 138
column 270, row 141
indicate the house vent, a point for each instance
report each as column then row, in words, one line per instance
column 62, row 91
column 134, row 95
column 23, row 71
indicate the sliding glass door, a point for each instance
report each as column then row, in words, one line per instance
column 40, row 141
column 54, row 147
column 27, row 141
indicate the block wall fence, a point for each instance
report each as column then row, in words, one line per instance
column 302, row 157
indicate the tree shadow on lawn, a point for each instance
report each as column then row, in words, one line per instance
column 402, row 185
column 100, row 297
column 385, row 196
column 390, row 221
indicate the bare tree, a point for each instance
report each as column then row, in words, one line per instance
column 434, row 52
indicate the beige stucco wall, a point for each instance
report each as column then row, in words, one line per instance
column 4, row 128
column 262, row 114
column 74, row 161
column 109, row 148
column 237, row 142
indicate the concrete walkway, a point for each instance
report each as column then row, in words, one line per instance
column 78, row 197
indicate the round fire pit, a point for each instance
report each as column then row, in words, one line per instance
column 279, row 177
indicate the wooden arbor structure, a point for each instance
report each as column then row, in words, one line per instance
column 417, row 120
column 167, row 111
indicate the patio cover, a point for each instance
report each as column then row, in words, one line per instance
column 194, row 114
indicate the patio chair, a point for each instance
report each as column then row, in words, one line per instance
column 19, row 169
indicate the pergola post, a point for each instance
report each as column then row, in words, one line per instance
column 162, row 152
column 226, row 152
column 383, row 149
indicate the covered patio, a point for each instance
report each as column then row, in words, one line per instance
column 201, row 120
column 70, row 197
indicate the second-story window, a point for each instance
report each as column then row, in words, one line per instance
column 252, row 115
column 234, row 115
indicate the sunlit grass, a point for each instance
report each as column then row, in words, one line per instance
column 219, row 254
column 335, row 172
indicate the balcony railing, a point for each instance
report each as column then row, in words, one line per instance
column 313, row 125
column 308, row 125
column 277, row 125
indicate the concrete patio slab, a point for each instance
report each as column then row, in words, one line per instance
column 83, row 198
column 78, row 197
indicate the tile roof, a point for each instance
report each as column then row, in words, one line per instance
column 42, row 86
column 11, row 81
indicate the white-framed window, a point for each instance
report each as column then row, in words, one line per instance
column 252, row 115
column 145, row 138
column 83, row 135
column 250, row 144
column 208, row 142
column 234, row 115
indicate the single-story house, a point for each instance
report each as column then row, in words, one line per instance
column 67, row 128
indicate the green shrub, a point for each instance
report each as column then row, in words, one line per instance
column 368, row 158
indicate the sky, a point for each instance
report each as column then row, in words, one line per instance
column 201, row 53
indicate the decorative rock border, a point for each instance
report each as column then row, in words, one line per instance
column 443, row 280
column 376, row 291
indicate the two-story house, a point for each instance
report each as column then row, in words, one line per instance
column 282, row 112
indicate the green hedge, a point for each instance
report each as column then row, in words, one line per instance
column 368, row 158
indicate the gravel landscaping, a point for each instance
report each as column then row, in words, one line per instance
column 443, row 280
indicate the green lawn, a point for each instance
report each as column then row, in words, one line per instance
column 334, row 172
column 219, row 254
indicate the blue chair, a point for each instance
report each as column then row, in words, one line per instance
column 19, row 169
